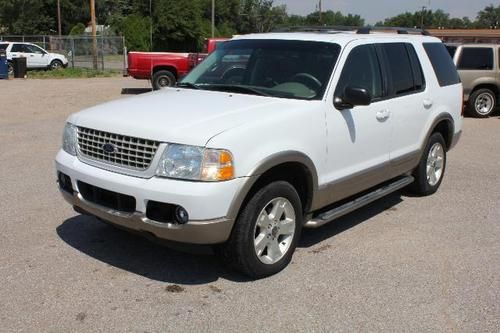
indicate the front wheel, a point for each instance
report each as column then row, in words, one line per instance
column 481, row 103
column 430, row 171
column 56, row 64
column 162, row 79
column 266, row 232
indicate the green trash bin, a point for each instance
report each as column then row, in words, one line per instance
column 19, row 65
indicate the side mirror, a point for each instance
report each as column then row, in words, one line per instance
column 352, row 96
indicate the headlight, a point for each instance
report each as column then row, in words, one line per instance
column 69, row 139
column 196, row 163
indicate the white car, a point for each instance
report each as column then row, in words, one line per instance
column 271, row 133
column 36, row 57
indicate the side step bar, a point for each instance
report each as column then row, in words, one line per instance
column 361, row 201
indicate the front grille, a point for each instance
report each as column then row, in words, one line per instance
column 129, row 152
column 105, row 198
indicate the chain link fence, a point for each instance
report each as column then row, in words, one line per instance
column 110, row 51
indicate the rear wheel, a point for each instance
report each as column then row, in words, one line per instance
column 162, row 79
column 481, row 103
column 11, row 68
column 430, row 171
column 266, row 232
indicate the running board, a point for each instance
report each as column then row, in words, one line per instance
column 358, row 202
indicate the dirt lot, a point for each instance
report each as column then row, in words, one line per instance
column 401, row 264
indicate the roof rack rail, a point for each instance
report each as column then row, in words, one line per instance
column 399, row 30
column 321, row 28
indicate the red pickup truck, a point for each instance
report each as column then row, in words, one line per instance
column 165, row 68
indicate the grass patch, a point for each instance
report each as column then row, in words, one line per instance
column 68, row 73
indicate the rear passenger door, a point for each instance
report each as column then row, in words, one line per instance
column 411, row 103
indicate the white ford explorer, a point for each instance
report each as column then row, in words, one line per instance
column 271, row 133
column 36, row 57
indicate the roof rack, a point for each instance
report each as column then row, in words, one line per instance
column 320, row 28
column 358, row 30
column 399, row 30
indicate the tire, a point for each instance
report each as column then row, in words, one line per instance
column 11, row 68
column 241, row 250
column 56, row 64
column 481, row 103
column 434, row 155
column 162, row 79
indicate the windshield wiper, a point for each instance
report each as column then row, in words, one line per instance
column 188, row 85
column 236, row 89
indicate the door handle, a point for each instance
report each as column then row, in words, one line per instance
column 427, row 103
column 383, row 115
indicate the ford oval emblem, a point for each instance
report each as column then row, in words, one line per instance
column 109, row 148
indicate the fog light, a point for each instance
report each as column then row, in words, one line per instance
column 181, row 215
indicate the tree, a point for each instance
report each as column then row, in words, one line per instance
column 489, row 17
column 27, row 17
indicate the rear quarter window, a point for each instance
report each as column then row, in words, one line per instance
column 443, row 65
column 476, row 58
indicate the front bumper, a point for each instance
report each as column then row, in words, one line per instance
column 208, row 204
column 194, row 232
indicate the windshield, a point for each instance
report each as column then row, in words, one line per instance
column 277, row 68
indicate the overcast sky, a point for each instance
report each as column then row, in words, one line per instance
column 376, row 10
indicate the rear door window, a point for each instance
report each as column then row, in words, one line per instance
column 476, row 58
column 18, row 48
column 443, row 65
column 403, row 67
column 3, row 47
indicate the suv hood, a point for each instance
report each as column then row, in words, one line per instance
column 182, row 116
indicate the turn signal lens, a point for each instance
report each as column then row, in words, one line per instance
column 217, row 165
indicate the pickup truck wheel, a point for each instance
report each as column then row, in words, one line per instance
column 162, row 79
column 56, row 64
column 266, row 232
column 430, row 171
column 481, row 103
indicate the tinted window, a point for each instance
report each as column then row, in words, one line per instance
column 33, row 49
column 361, row 70
column 278, row 68
column 476, row 58
column 443, row 65
column 18, row 48
column 451, row 50
column 399, row 68
column 418, row 74
column 3, row 46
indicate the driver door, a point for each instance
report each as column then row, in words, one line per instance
column 36, row 57
column 358, row 137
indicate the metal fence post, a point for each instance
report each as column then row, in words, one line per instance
column 72, row 52
column 102, row 49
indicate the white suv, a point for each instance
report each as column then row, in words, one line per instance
column 271, row 133
column 36, row 57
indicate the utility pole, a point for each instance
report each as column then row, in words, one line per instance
column 422, row 17
column 59, row 17
column 94, row 33
column 320, row 13
column 213, row 18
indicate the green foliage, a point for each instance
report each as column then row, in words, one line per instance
column 136, row 30
column 183, row 25
column 489, row 17
column 67, row 73
column 78, row 29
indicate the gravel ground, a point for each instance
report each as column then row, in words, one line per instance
column 401, row 264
